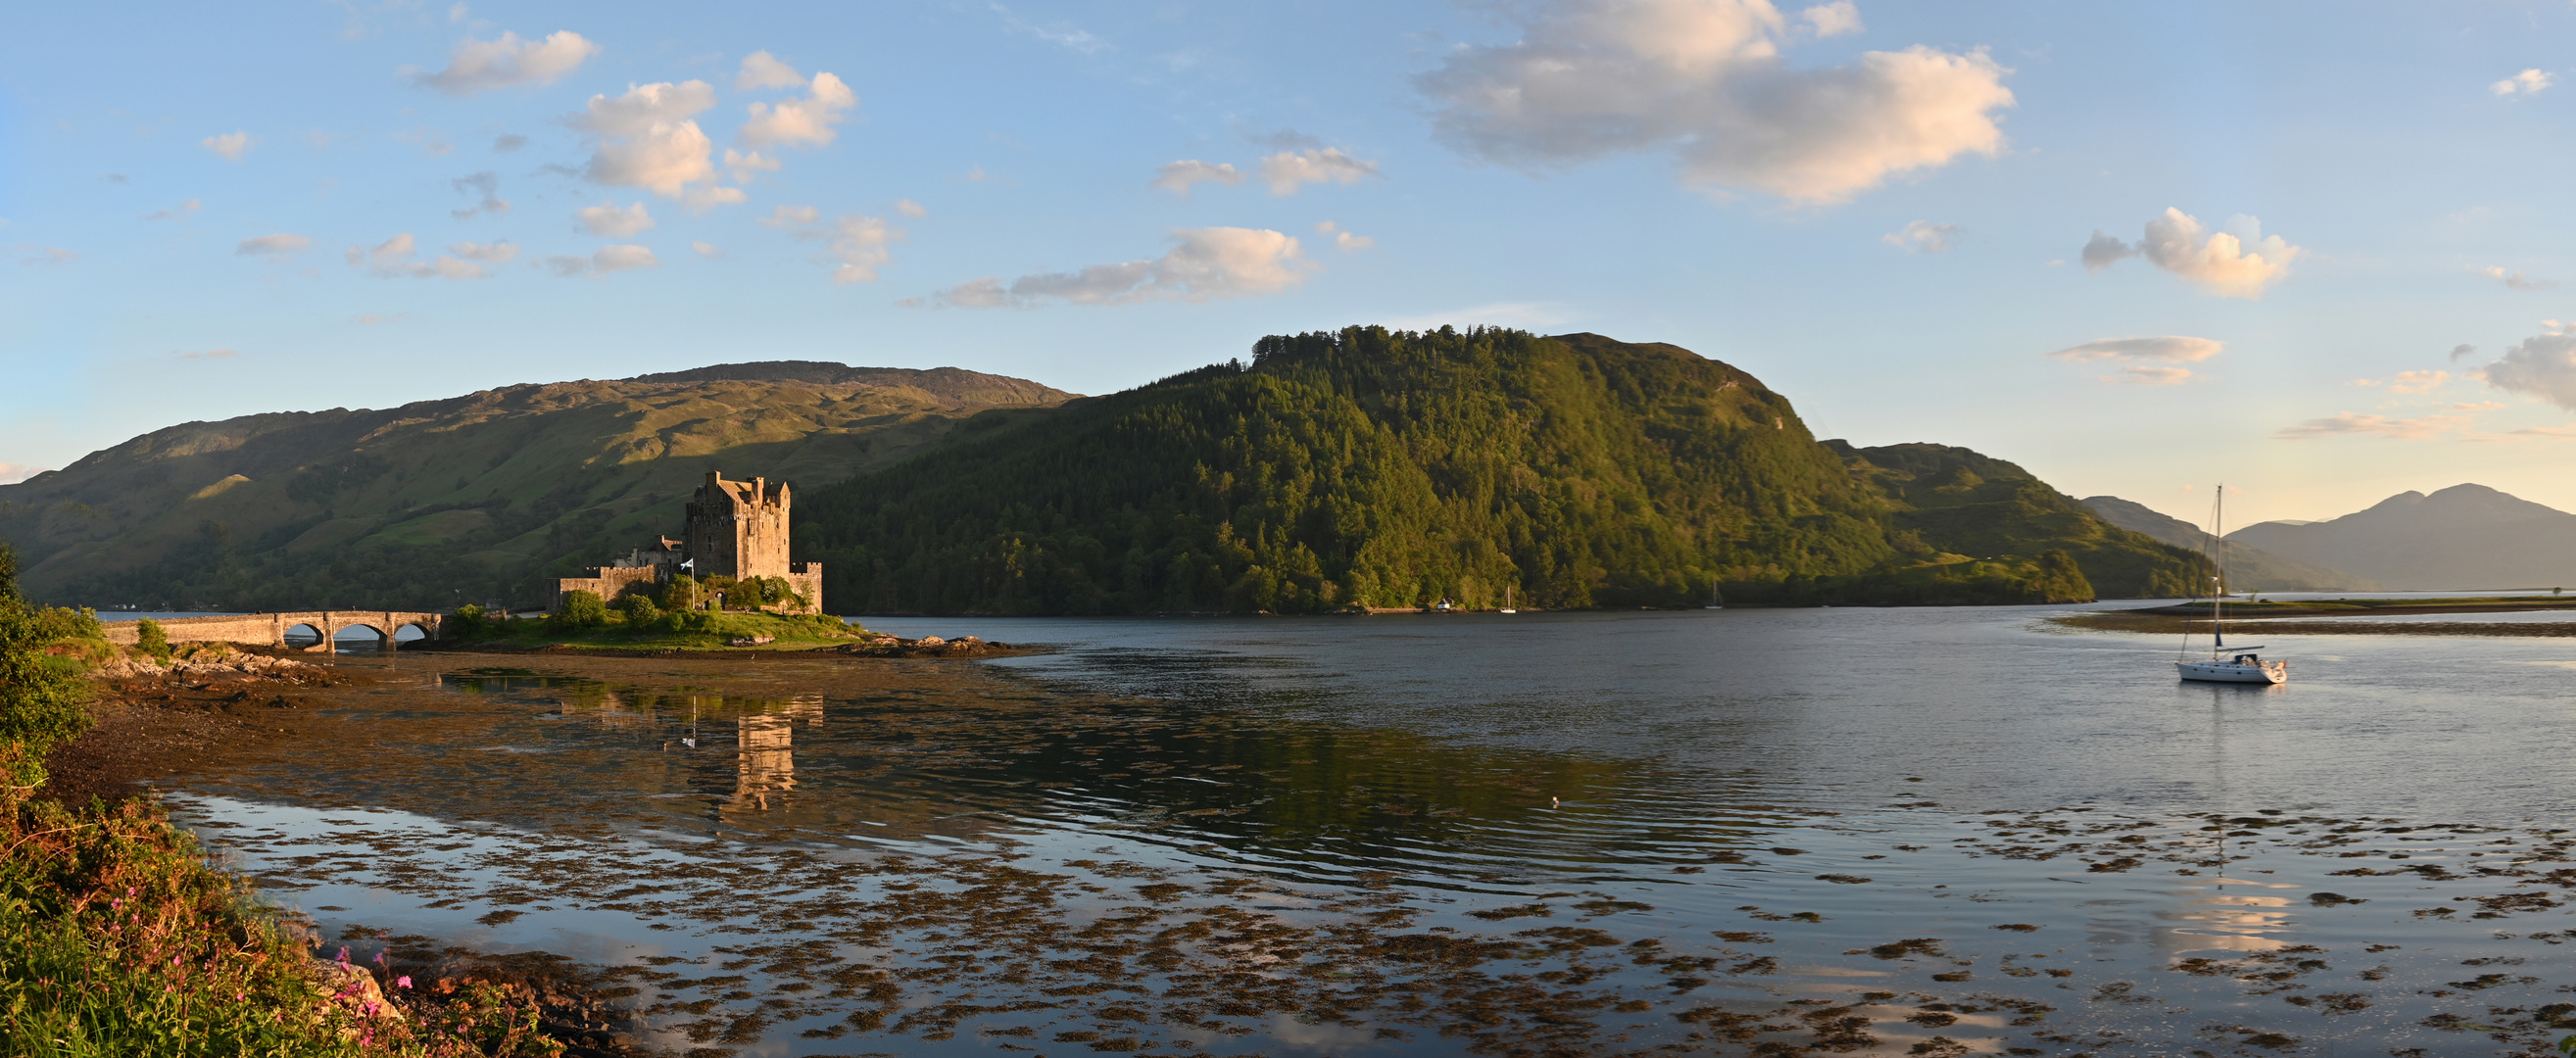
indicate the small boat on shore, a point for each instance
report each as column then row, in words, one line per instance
column 2243, row 665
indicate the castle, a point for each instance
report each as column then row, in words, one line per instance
column 736, row 529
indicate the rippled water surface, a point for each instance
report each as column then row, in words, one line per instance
column 1843, row 830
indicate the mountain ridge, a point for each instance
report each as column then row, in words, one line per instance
column 2249, row 567
column 2465, row 537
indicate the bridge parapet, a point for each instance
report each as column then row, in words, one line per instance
column 270, row 628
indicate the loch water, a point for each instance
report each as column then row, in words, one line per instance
column 1925, row 831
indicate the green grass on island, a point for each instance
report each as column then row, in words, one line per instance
column 686, row 630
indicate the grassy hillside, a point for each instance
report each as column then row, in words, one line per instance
column 480, row 496
column 1974, row 506
column 1363, row 467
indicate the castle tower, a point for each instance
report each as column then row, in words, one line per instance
column 739, row 529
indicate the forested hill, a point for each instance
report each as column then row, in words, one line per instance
column 1971, row 505
column 1378, row 468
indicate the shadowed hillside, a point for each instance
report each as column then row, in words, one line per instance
column 467, row 498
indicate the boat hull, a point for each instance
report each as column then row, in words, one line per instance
column 2232, row 672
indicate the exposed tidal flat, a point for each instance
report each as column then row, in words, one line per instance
column 1930, row 831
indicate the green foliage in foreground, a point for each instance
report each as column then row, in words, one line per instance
column 1364, row 467
column 41, row 696
column 684, row 630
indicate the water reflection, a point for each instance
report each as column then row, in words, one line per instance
column 982, row 839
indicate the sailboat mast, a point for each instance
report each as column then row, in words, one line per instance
column 2218, row 599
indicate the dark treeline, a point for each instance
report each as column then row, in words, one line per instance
column 1389, row 469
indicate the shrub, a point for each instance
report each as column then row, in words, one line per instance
column 682, row 593
column 638, row 611
column 581, row 609
column 466, row 623
column 40, row 702
column 149, row 635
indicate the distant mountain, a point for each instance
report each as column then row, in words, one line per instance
column 470, row 497
column 2250, row 568
column 2463, row 537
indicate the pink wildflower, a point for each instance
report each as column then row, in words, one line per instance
column 403, row 981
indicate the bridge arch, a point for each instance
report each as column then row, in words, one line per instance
column 304, row 635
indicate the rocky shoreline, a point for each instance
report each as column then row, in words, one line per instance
column 873, row 645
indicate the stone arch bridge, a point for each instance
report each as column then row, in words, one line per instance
column 271, row 628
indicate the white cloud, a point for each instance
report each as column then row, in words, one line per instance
column 1207, row 263
column 2462, row 352
column 1065, row 34
column 507, row 62
column 706, row 249
column 232, row 145
column 2151, row 375
column 744, row 165
column 803, row 122
column 1705, row 81
column 1289, row 170
column 761, row 70
column 2516, row 280
column 182, row 211
column 276, row 248
column 2528, row 82
column 13, row 473
column 2542, row 366
column 2236, row 263
column 855, row 245
column 910, row 208
column 646, row 140
column 2171, row 348
column 1834, row 19
column 1925, row 237
column 1178, row 177
column 602, row 261
column 2415, row 429
column 624, row 257
column 1343, row 240
column 702, row 199
column 607, row 220
column 487, row 186
column 392, row 259
column 2418, row 381
column 492, row 252
column 209, row 354
column 29, row 253
column 791, row 217
column 373, row 318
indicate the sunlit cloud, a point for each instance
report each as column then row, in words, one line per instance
column 2542, row 366
column 1925, row 237
column 208, row 354
column 508, row 62
column 609, row 220
column 803, row 122
column 2238, row 262
column 2171, row 348
column 1205, row 264
column 1343, row 240
column 1705, row 81
column 1288, row 171
column 182, row 211
column 2515, row 280
column 2422, row 427
column 1178, row 177
column 2528, row 82
column 231, row 145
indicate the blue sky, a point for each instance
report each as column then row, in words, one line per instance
column 2297, row 214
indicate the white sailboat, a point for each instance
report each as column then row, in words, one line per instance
column 2242, row 665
